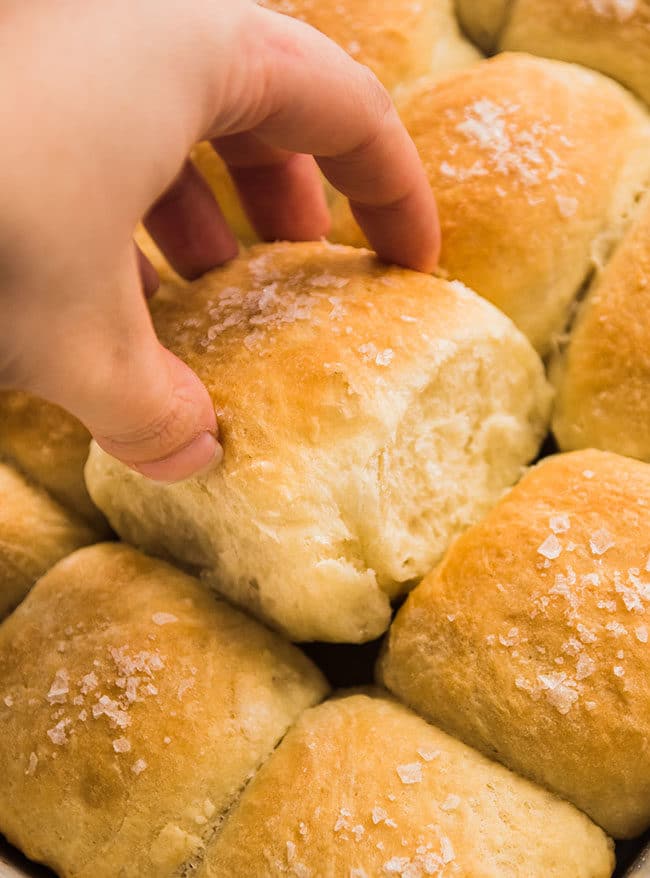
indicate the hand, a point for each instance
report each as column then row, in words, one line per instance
column 101, row 105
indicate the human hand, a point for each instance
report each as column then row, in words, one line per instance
column 105, row 101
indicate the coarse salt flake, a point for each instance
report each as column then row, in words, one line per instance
column 59, row 689
column 550, row 548
column 139, row 766
column 411, row 772
column 451, row 803
column 641, row 633
column 559, row 524
column 121, row 745
column 600, row 541
column 31, row 765
column 163, row 618
column 427, row 754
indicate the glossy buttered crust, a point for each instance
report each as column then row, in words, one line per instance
column 50, row 447
column 531, row 640
column 368, row 414
column 35, row 533
column 361, row 786
column 400, row 40
column 536, row 166
column 603, row 374
column 612, row 36
column 133, row 708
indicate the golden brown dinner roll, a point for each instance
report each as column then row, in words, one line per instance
column 50, row 447
column 134, row 707
column 483, row 21
column 530, row 641
column 35, row 532
column 603, row 375
column 536, row 166
column 400, row 40
column 612, row 36
column 361, row 786
column 368, row 415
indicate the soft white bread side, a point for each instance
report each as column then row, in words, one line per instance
column 602, row 376
column 50, row 447
column 399, row 40
column 368, row 414
column 531, row 641
column 361, row 786
column 536, row 166
column 134, row 706
column 35, row 533
column 612, row 36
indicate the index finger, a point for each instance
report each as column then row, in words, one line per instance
column 311, row 97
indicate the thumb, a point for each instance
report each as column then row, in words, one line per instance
column 98, row 357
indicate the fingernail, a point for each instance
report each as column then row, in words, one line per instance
column 194, row 459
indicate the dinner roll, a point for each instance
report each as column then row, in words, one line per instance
column 612, row 36
column 483, row 21
column 603, row 375
column 361, row 786
column 400, row 40
column 134, row 707
column 35, row 532
column 530, row 640
column 536, row 166
column 368, row 414
column 50, row 447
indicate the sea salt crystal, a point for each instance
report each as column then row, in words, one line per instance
column 358, row 831
column 121, row 745
column 559, row 524
column 163, row 618
column 58, row 734
column 559, row 690
column 641, row 633
column 566, row 205
column 378, row 815
column 616, row 629
column 585, row 667
column 291, row 850
column 107, row 707
column 588, row 473
column 60, row 687
column 621, row 10
column 410, row 772
column 31, row 765
column 446, row 850
column 396, row 865
column 510, row 639
column 427, row 754
column 8, row 700
column 600, row 541
column 139, row 766
column 618, row 671
column 89, row 683
column 550, row 548
column 384, row 357
column 451, row 803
